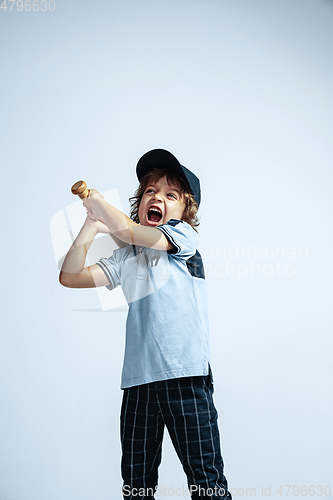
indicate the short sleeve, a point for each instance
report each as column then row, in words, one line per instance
column 111, row 269
column 181, row 235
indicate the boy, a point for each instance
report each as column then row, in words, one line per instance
column 166, row 375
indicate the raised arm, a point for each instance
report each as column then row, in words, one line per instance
column 73, row 274
column 123, row 227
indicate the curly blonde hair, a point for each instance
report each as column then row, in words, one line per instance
column 191, row 206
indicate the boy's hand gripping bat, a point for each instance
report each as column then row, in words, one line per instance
column 80, row 189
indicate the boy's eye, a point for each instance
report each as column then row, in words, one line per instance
column 151, row 190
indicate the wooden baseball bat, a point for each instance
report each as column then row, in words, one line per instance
column 80, row 189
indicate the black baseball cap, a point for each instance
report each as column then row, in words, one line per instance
column 164, row 159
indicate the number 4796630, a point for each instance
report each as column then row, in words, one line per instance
column 304, row 490
column 27, row 5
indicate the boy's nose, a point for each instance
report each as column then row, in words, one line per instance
column 157, row 196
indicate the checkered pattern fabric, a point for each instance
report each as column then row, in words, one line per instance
column 185, row 406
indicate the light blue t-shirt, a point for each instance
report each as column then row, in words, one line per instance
column 167, row 323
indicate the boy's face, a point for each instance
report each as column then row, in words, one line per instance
column 160, row 202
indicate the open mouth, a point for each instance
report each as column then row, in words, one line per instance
column 154, row 215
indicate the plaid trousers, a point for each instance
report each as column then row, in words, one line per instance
column 185, row 406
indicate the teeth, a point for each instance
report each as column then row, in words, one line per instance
column 157, row 210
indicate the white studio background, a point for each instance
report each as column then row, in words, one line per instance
column 241, row 92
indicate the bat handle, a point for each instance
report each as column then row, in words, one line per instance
column 80, row 188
